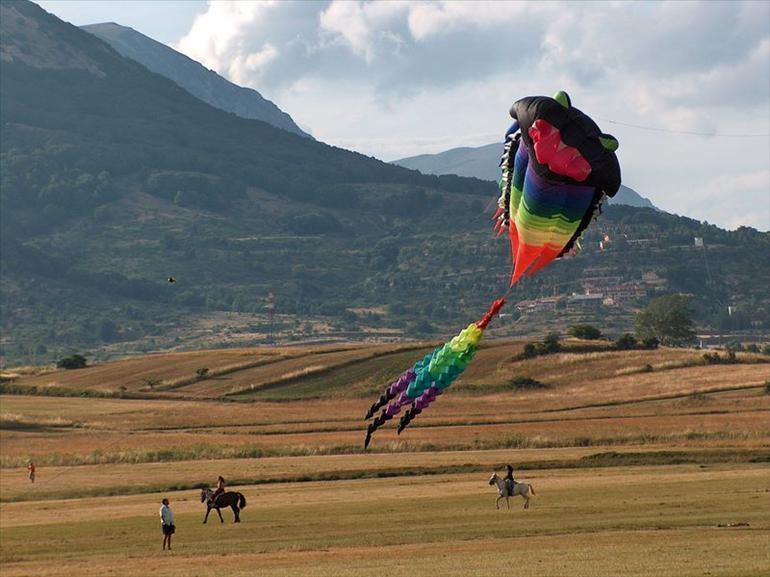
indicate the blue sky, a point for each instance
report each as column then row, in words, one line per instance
column 166, row 21
column 398, row 78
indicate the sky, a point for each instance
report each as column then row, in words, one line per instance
column 398, row 78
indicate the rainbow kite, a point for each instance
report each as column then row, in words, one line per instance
column 557, row 169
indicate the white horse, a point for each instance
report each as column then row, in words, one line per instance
column 524, row 489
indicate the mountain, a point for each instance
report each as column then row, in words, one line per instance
column 482, row 162
column 115, row 179
column 192, row 76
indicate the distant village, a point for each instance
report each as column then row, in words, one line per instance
column 603, row 287
column 599, row 290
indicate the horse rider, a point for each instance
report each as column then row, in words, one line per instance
column 509, row 482
column 31, row 471
column 220, row 488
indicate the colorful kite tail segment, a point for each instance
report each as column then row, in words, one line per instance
column 428, row 377
column 493, row 311
column 390, row 393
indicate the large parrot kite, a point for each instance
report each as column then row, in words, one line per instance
column 557, row 168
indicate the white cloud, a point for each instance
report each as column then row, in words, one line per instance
column 361, row 25
column 244, row 68
column 216, row 37
column 737, row 199
column 393, row 79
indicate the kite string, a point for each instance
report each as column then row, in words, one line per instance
column 690, row 132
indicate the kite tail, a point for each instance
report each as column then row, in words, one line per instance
column 428, row 377
column 380, row 420
column 391, row 392
column 493, row 311
column 407, row 418
column 418, row 406
column 386, row 415
column 502, row 216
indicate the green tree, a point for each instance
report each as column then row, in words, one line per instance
column 588, row 332
column 668, row 319
column 530, row 351
column 626, row 342
column 72, row 362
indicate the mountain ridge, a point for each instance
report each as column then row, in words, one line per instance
column 482, row 162
column 195, row 78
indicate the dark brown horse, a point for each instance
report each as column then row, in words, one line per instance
column 236, row 501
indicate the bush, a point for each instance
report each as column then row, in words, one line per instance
column 587, row 332
column 530, row 351
column 712, row 358
column 519, row 383
column 151, row 382
column 202, row 373
column 72, row 362
column 626, row 342
column 550, row 344
column 715, row 359
column 650, row 343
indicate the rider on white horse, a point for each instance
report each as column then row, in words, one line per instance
column 504, row 491
column 509, row 481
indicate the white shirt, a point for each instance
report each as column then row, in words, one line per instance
column 166, row 516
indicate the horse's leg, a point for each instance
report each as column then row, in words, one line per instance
column 220, row 515
column 497, row 502
column 206, row 518
column 508, row 502
column 235, row 513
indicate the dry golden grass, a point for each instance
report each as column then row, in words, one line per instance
column 360, row 371
column 230, row 370
column 131, row 373
column 602, row 522
column 123, row 429
column 434, row 513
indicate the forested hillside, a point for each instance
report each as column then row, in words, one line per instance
column 115, row 179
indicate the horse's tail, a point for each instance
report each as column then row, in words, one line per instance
column 242, row 502
column 531, row 488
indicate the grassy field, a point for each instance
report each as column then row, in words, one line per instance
column 643, row 463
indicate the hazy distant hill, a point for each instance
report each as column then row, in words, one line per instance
column 192, row 76
column 482, row 162
column 115, row 178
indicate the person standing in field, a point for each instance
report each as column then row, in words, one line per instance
column 31, row 471
column 166, row 523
